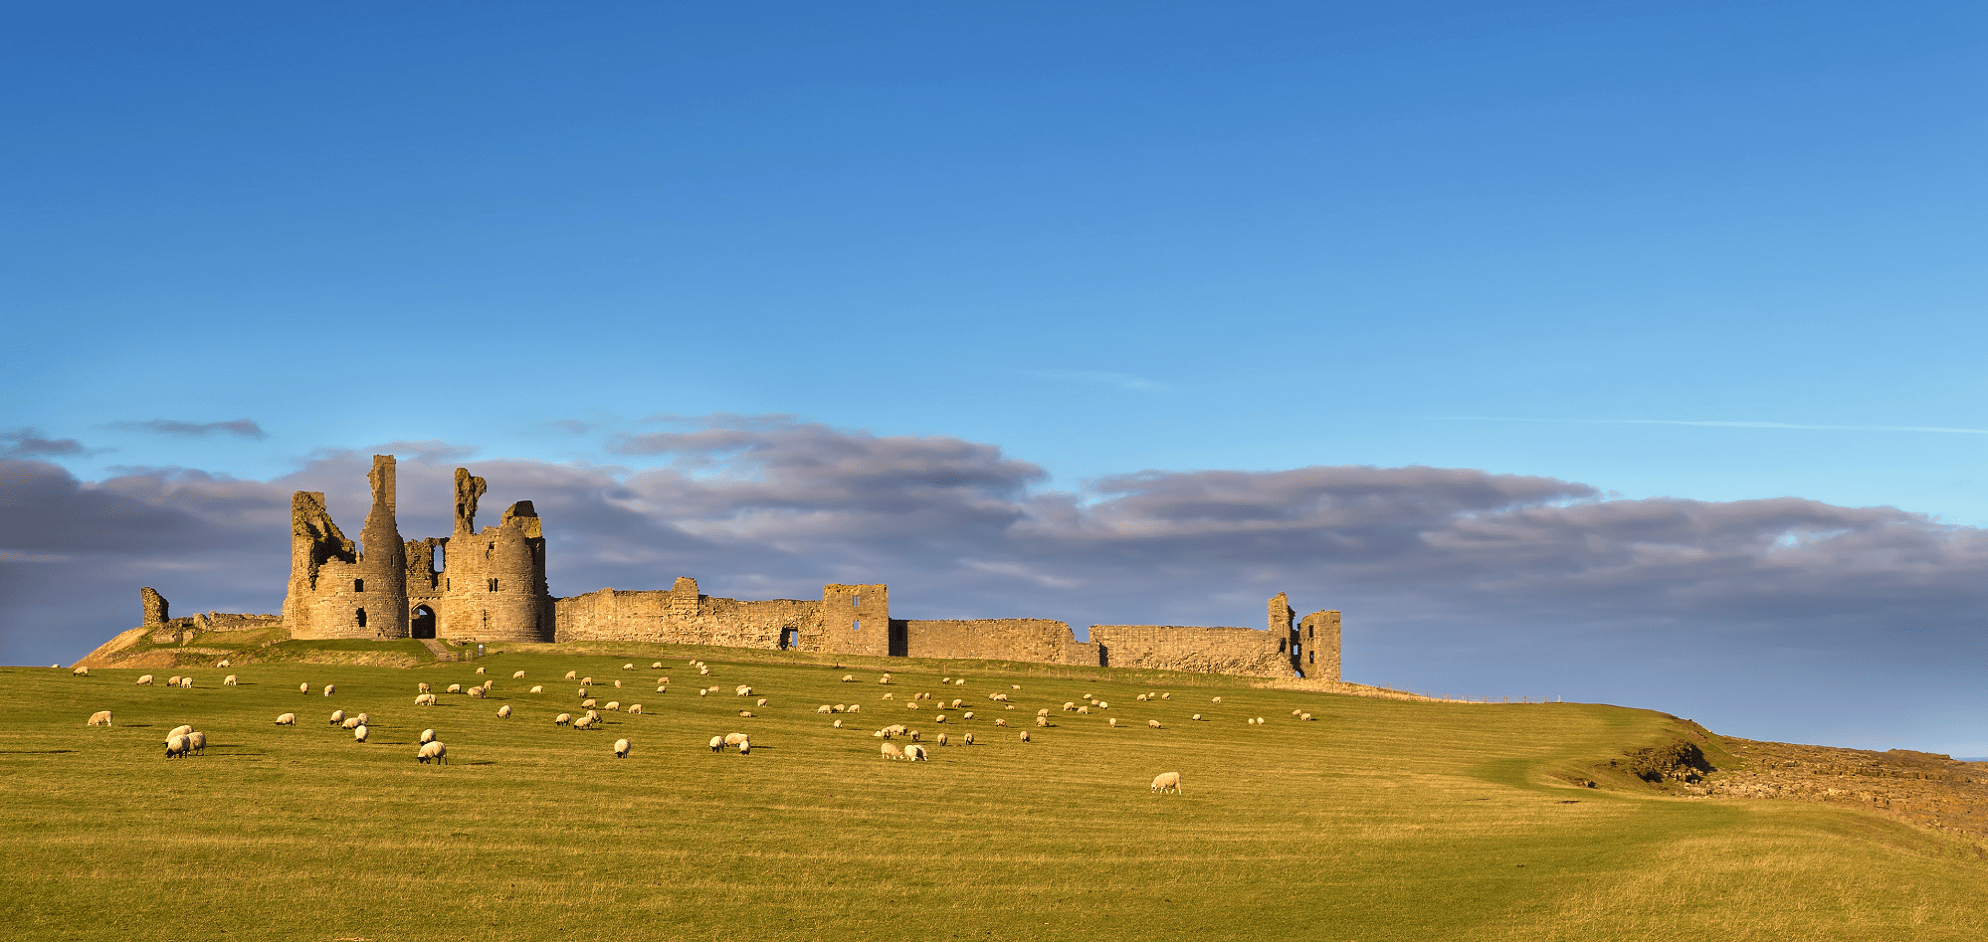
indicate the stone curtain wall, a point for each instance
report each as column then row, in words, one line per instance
column 998, row 639
column 662, row 617
column 1242, row 651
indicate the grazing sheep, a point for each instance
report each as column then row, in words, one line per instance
column 628, row 667
column 701, row 669
column 517, row 675
column 287, row 719
column 890, row 696
column 1085, row 710
column 613, row 706
column 966, row 739
column 562, row 719
column 197, row 740
column 100, row 718
column 855, row 708
column 177, row 746
column 917, row 753
column 224, row 665
column 849, row 678
column 911, row 706
column 999, row 721
column 589, row 703
column 479, row 670
column 914, row 734
column 617, row 684
column 172, row 681
column 427, row 736
column 635, row 709
column 144, row 680
column 504, row 712
column 1069, row 706
column 664, row 688
column 656, row 666
column 621, row 745
column 476, row 693
column 939, row 719
column 229, row 681
column 488, row 684
column 967, row 715
column 179, row 730
column 455, row 688
column 960, row 682
column 594, row 715
column 884, row 679
column 957, row 703
column 364, row 719
column 583, row 693
column 572, row 674
column 1025, row 735
column 702, row 692
column 329, row 689
column 586, row 681
column 424, row 688
column 762, row 702
column 1114, row 722
column 1306, row 717
column 1153, row 723
column 432, row 752
column 80, row 672
column 186, row 681
column 1167, row 696
column 1166, row 781
column 891, row 751
column 538, row 688
column 824, row 708
column 1015, row 686
column 1218, row 699
column 351, row 722
column 717, row 744
column 940, row 739
column 1197, row 717
column 359, row 735
column 838, row 724
column 1042, row 712
column 337, row 717
column 1042, row 721
column 1103, row 705
column 1296, row 712
column 1141, row 698
column 426, row 699
column 747, row 713
column 737, row 739
column 585, row 722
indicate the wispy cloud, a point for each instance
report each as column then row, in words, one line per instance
column 1710, row 423
column 240, row 428
column 1121, row 380
column 27, row 443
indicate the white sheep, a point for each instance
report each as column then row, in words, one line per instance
column 538, row 688
column 427, row 736
column 504, row 712
column 855, row 708
column 80, row 672
column 594, row 715
column 747, row 713
column 762, row 702
column 329, row 689
column 662, row 688
column 433, row 752
column 479, row 670
column 1153, row 723
column 286, row 719
column 197, row 740
column 337, row 717
column 613, row 706
column 589, row 703
column 1197, row 717
column 517, row 675
column 224, row 665
column 562, row 719
column 229, row 681
column 621, row 745
column 635, row 709
column 1042, row 721
column 455, row 688
column 1085, row 710
column 824, row 708
column 424, row 688
column 179, row 730
column 849, row 678
column 585, row 722
column 656, row 666
column 186, row 681
column 959, row 682
column 572, row 674
column 1296, row 712
column 351, row 722
column 717, row 744
column 1042, row 712
column 966, row 738
column 889, row 696
column 967, row 715
column 1069, row 706
column 617, row 684
column 1218, row 699
column 628, row 667
column 1114, row 721
column 426, row 699
column 359, row 735
column 1103, row 705
column 583, row 692
column 891, row 751
column 1167, row 696
column 737, row 739
column 1141, row 698
column 1025, row 735
column 940, row 739
column 702, row 692
column 1166, row 781
column 1306, row 717
column 884, row 679
column 1000, row 721
column 742, row 690
column 144, row 680
column 100, row 718
column 177, row 746
column 916, row 753
column 586, row 681
column 172, row 681
column 476, row 693
column 939, row 719
column 957, row 703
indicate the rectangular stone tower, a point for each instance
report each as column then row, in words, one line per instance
column 855, row 619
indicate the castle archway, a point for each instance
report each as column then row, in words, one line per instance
column 423, row 622
column 790, row 639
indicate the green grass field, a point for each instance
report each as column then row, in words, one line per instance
column 1381, row 819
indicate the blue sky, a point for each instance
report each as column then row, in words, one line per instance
column 1659, row 250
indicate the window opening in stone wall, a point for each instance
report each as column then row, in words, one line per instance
column 855, row 601
column 488, row 548
column 790, row 639
column 441, row 557
column 358, row 585
column 493, row 585
column 1314, row 657
column 424, row 622
column 856, row 625
column 362, row 618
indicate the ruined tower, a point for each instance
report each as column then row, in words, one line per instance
column 490, row 584
column 337, row 589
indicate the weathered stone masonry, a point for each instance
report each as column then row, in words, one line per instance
column 489, row 585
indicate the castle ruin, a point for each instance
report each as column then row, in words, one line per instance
column 489, row 585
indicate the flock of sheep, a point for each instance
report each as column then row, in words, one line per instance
column 184, row 739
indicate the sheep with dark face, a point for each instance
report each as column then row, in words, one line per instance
column 432, row 751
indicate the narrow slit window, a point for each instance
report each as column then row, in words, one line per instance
column 362, row 618
column 358, row 585
column 493, row 585
column 856, row 625
column 855, row 601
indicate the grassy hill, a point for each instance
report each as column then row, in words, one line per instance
column 1379, row 819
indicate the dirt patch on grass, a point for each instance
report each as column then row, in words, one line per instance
column 1926, row 789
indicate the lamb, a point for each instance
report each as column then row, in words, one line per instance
column 504, row 712
column 286, row 719
column 1153, row 723
column 359, row 735
column 613, row 706
column 916, row 753
column 144, row 680
column 80, row 672
column 100, row 718
column 186, row 681
column 427, row 736
column 198, row 740
column 229, row 681
column 517, row 675
column 337, row 717
column 621, row 745
column 426, row 699
column 562, row 719
column 891, row 751
column 538, row 688
column 329, row 689
column 425, row 688
column 177, row 746
column 433, row 752
column 1166, row 781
